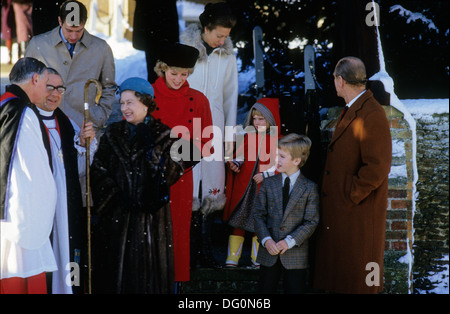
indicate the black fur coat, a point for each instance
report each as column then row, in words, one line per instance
column 132, row 237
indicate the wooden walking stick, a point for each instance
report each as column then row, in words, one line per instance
column 88, row 172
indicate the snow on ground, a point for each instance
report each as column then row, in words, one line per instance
column 129, row 61
column 439, row 279
column 189, row 11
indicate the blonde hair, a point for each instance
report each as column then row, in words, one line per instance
column 297, row 145
column 162, row 67
column 256, row 112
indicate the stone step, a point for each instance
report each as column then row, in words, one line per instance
column 222, row 281
column 238, row 280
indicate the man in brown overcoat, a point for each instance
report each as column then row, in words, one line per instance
column 351, row 233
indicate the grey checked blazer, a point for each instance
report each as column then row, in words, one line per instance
column 299, row 220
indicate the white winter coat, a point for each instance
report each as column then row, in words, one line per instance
column 215, row 76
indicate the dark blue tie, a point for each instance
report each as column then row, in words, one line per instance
column 286, row 189
column 71, row 48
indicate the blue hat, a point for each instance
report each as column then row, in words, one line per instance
column 138, row 85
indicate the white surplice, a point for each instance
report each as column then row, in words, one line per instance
column 31, row 201
column 60, row 238
column 61, row 279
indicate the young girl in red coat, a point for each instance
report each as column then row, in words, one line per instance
column 254, row 159
column 182, row 109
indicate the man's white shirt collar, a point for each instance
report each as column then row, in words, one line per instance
column 355, row 99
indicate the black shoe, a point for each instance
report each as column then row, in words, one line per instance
column 196, row 240
column 207, row 256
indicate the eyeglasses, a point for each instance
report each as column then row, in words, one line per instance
column 61, row 89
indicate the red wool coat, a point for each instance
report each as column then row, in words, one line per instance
column 179, row 108
column 351, row 230
column 237, row 183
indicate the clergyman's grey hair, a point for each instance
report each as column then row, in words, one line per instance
column 24, row 69
column 53, row 71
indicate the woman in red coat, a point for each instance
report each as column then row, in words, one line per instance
column 182, row 109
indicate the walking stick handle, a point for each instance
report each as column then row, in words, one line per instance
column 88, row 174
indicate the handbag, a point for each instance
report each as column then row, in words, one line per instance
column 242, row 215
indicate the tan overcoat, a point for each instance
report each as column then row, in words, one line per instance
column 92, row 59
column 351, row 232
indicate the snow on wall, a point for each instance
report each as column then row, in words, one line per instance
column 426, row 107
column 388, row 83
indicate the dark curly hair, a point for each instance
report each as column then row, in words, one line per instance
column 217, row 14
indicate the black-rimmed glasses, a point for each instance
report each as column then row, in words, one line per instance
column 61, row 89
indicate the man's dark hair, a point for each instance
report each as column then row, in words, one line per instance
column 79, row 9
column 24, row 69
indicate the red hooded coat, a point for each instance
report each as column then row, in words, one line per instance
column 236, row 183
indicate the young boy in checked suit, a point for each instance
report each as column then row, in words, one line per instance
column 286, row 214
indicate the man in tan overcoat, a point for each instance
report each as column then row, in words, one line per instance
column 351, row 233
column 78, row 56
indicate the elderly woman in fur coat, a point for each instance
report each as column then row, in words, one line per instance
column 131, row 174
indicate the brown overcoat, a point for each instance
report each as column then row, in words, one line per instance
column 351, row 232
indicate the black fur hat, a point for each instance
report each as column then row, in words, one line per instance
column 179, row 55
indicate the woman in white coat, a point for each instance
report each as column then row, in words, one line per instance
column 215, row 75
